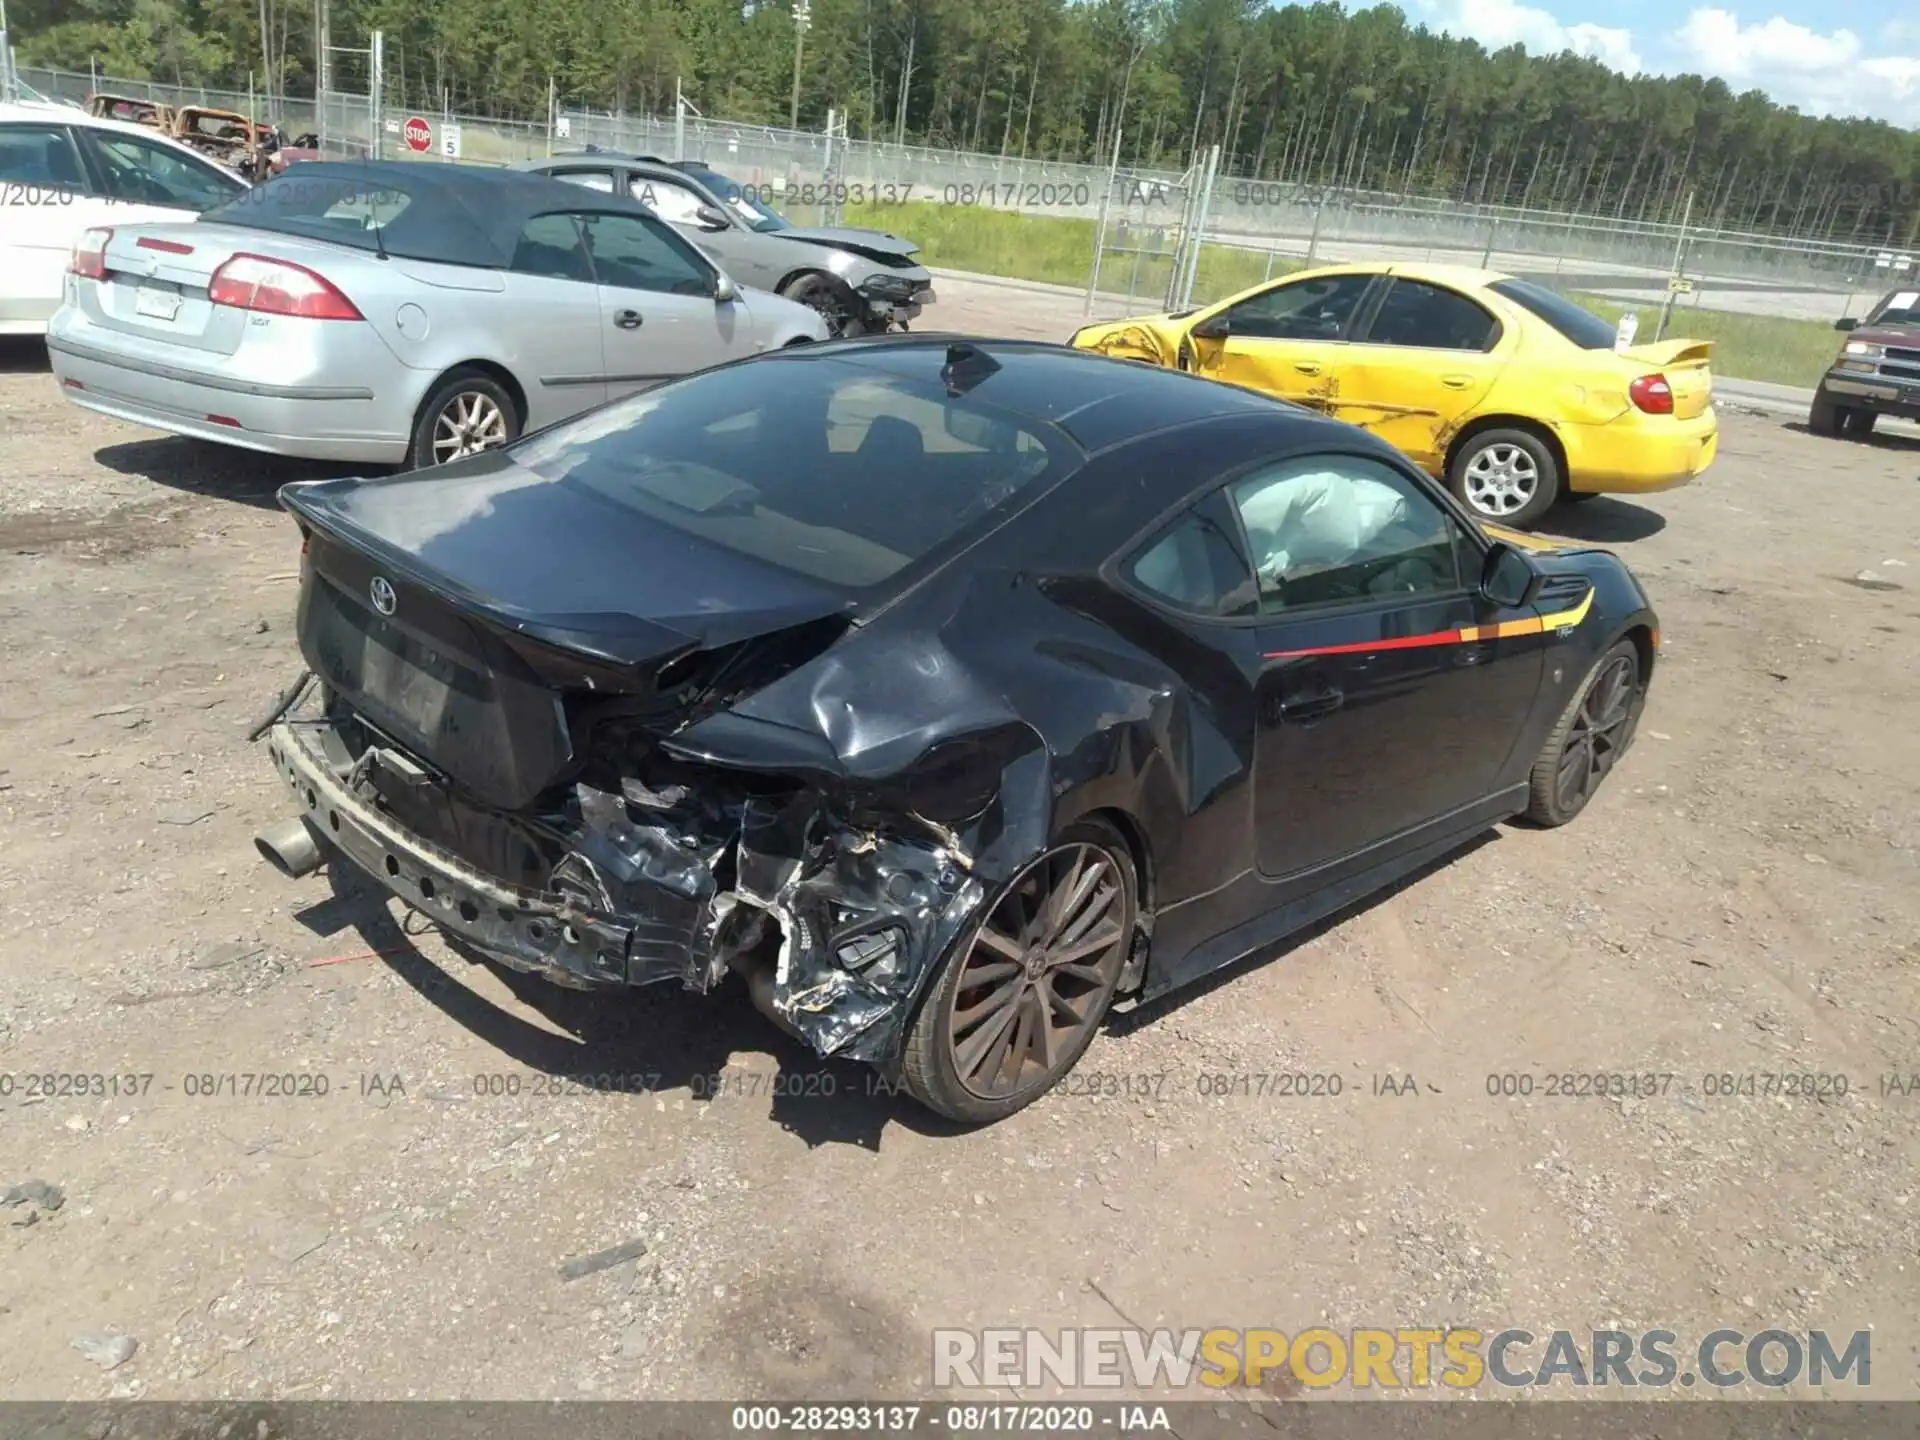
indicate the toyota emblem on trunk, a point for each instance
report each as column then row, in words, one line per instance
column 383, row 597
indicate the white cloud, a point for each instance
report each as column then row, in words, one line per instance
column 1832, row 73
column 1822, row 74
column 1718, row 40
column 1497, row 23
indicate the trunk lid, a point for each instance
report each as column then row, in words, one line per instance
column 1687, row 366
column 156, row 286
column 157, row 279
column 479, row 615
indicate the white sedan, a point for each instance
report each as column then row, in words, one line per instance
column 62, row 172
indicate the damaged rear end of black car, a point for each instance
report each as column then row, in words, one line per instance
column 524, row 708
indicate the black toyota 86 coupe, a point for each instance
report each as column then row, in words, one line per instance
column 949, row 691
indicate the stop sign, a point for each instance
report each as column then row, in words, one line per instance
column 418, row 134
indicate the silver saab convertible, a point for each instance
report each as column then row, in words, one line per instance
column 396, row 313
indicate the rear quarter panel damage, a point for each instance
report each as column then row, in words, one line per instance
column 936, row 760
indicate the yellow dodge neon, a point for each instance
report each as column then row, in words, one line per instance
column 1510, row 393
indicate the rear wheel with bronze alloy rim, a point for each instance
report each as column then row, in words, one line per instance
column 1018, row 998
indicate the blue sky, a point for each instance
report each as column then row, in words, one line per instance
column 1855, row 57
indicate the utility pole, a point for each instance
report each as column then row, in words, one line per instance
column 266, row 58
column 322, row 72
column 376, row 90
column 7, row 85
column 801, row 20
column 1679, row 261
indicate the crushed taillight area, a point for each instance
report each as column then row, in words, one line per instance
column 1652, row 394
column 89, row 259
column 278, row 287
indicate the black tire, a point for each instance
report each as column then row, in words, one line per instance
column 1601, row 731
column 1825, row 416
column 462, row 392
column 945, row 1061
column 1505, row 467
column 834, row 302
column 1857, row 424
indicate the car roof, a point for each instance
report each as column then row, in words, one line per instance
column 474, row 214
column 17, row 110
column 1098, row 402
column 1465, row 277
column 592, row 158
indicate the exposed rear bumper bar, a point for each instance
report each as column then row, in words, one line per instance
column 541, row 935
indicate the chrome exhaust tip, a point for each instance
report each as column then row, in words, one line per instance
column 290, row 847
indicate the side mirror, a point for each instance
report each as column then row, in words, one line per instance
column 1214, row 327
column 724, row 290
column 1848, row 323
column 710, row 217
column 1508, row 578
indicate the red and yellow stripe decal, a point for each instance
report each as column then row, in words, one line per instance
column 1530, row 625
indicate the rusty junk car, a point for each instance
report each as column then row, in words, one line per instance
column 253, row 149
column 248, row 147
column 948, row 691
column 131, row 110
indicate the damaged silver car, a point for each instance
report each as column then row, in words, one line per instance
column 928, row 686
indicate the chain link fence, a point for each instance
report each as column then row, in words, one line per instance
column 1250, row 228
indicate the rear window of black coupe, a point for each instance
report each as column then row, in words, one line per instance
column 841, row 472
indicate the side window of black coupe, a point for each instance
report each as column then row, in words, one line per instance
column 1326, row 529
column 1196, row 563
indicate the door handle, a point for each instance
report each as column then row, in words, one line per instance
column 627, row 319
column 1311, row 709
column 1456, row 382
column 1307, row 367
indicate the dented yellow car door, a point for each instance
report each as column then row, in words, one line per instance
column 1307, row 372
column 1289, row 339
column 1420, row 367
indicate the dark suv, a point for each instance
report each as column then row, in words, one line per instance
column 1877, row 371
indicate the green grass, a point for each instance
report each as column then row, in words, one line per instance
column 1053, row 249
column 1059, row 250
column 1745, row 347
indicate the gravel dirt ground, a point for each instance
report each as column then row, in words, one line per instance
column 1741, row 899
